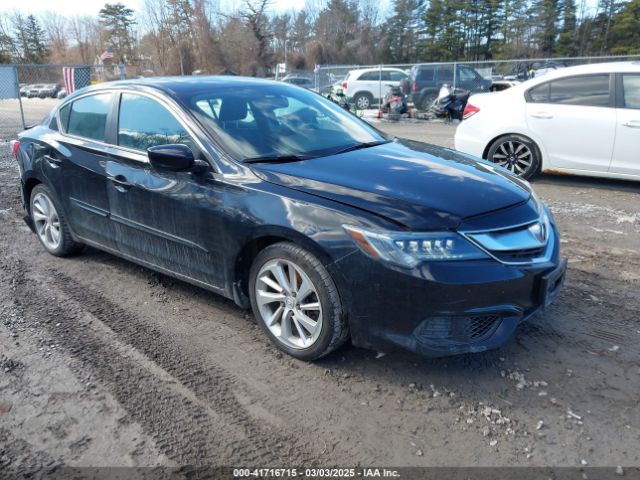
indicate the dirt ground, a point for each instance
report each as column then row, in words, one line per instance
column 106, row 363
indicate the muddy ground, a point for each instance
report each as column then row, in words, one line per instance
column 106, row 363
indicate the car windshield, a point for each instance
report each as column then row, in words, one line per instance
column 278, row 121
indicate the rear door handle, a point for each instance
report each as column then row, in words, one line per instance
column 542, row 115
column 54, row 162
column 632, row 124
column 120, row 182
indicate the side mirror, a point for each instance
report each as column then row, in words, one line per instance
column 175, row 158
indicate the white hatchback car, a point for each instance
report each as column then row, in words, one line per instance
column 581, row 120
column 368, row 85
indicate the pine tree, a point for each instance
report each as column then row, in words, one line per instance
column 118, row 21
column 607, row 10
column 546, row 18
column 400, row 32
column 432, row 19
column 567, row 44
column 35, row 49
column 625, row 29
column 491, row 18
column 301, row 30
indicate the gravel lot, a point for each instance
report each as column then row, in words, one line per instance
column 106, row 363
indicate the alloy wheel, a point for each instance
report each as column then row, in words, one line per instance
column 46, row 221
column 288, row 303
column 363, row 102
column 514, row 156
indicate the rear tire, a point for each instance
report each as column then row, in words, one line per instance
column 50, row 223
column 516, row 153
column 363, row 100
column 296, row 302
column 427, row 101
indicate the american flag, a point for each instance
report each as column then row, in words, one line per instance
column 107, row 54
column 75, row 78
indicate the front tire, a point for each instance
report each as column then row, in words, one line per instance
column 50, row 223
column 296, row 302
column 516, row 153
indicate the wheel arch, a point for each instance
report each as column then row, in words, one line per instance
column 265, row 237
column 425, row 93
column 27, row 187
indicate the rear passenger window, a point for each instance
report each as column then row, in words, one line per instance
column 540, row 94
column 425, row 74
column 144, row 123
column 367, row 76
column 631, row 85
column 87, row 116
column 374, row 76
column 586, row 90
column 397, row 76
column 445, row 75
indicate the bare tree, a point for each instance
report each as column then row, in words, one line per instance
column 56, row 27
column 209, row 54
column 86, row 33
column 9, row 50
column 254, row 14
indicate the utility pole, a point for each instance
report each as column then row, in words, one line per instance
column 285, row 54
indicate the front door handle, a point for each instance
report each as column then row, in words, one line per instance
column 542, row 115
column 54, row 162
column 632, row 124
column 120, row 182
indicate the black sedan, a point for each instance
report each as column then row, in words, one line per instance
column 273, row 196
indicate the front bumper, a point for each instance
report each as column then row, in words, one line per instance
column 445, row 308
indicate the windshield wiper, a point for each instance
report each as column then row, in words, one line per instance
column 277, row 158
column 359, row 146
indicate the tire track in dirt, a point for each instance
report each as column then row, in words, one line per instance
column 182, row 427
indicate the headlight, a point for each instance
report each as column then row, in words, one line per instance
column 408, row 249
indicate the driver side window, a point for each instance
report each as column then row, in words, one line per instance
column 144, row 123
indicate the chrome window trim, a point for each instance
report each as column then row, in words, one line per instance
column 167, row 106
column 62, row 130
column 130, row 153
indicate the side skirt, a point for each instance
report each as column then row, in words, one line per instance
column 163, row 270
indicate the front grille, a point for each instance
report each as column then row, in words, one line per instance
column 459, row 330
column 521, row 244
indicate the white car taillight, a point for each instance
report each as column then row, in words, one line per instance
column 469, row 111
column 15, row 146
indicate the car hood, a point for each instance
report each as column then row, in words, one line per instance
column 420, row 186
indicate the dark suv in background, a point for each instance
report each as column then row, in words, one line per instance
column 426, row 81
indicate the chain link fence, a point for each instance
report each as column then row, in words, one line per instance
column 29, row 92
column 365, row 85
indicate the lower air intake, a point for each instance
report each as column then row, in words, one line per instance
column 459, row 330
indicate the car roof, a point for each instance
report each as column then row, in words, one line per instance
column 376, row 69
column 177, row 85
column 608, row 67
